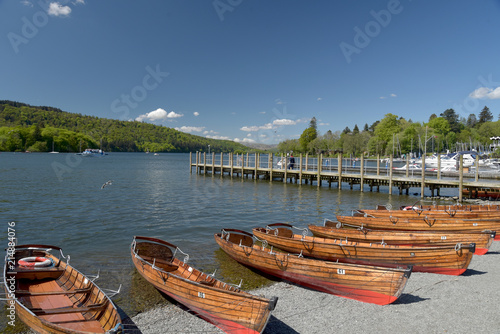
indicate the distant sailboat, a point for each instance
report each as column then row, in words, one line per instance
column 53, row 148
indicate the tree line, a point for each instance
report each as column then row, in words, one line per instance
column 398, row 136
column 41, row 129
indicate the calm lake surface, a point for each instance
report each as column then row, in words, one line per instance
column 56, row 199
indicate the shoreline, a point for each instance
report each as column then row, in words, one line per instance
column 430, row 303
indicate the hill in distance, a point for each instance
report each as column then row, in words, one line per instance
column 39, row 128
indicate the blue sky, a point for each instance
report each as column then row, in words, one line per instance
column 252, row 70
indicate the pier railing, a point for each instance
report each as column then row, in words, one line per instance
column 353, row 171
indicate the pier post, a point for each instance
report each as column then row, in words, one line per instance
column 197, row 161
column 213, row 163
column 285, row 166
column 422, row 186
column 270, row 167
column 320, row 163
column 231, row 165
column 204, row 162
column 300, row 168
column 242, row 159
column 461, row 179
column 190, row 162
column 221, row 164
column 390, row 176
column 339, row 164
column 378, row 164
column 256, row 176
column 361, row 171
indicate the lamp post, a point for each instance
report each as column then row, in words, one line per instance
column 209, row 149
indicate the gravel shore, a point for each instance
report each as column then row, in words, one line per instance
column 430, row 303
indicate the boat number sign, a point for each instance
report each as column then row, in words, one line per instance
column 201, row 294
column 443, row 237
column 340, row 271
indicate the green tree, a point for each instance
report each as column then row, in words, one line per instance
column 485, row 115
column 440, row 125
column 452, row 117
column 471, row 121
column 306, row 137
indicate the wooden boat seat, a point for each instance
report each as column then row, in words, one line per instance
column 150, row 250
column 208, row 283
column 244, row 239
column 39, row 273
column 329, row 223
column 94, row 307
column 52, row 293
column 284, row 232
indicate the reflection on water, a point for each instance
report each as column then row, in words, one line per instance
column 153, row 196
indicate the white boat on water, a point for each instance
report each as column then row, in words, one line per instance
column 410, row 167
column 92, row 152
column 452, row 160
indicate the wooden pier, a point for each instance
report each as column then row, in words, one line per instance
column 316, row 169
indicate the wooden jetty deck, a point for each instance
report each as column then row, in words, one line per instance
column 316, row 169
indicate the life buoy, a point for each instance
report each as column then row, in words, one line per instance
column 406, row 208
column 33, row 261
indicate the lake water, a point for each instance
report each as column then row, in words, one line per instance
column 56, row 199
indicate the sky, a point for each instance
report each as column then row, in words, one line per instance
column 252, row 71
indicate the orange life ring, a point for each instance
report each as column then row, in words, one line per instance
column 33, row 261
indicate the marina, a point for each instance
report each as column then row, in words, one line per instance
column 374, row 173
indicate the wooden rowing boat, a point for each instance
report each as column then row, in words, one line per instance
column 448, row 213
column 443, row 207
column 50, row 296
column 449, row 260
column 422, row 223
column 359, row 233
column 227, row 307
column 369, row 284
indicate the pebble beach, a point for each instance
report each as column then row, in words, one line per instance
column 430, row 303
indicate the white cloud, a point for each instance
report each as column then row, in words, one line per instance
column 79, row 2
column 244, row 140
column 269, row 126
column 158, row 115
column 319, row 99
column 218, row 137
column 284, row 121
column 190, row 129
column 393, row 95
column 27, row 3
column 257, row 128
column 196, row 113
column 56, row 9
column 486, row 93
column 278, row 101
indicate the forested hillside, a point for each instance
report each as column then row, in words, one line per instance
column 39, row 129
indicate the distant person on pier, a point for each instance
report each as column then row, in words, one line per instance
column 292, row 162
